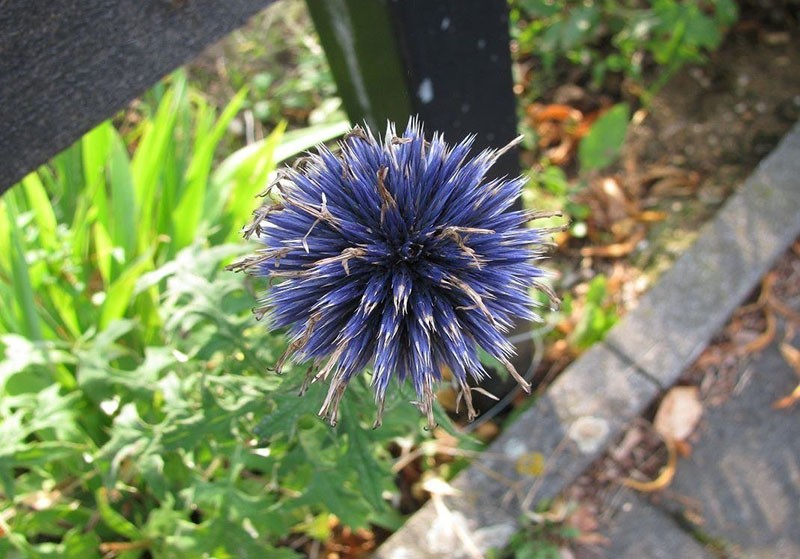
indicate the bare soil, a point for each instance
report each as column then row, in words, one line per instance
column 718, row 121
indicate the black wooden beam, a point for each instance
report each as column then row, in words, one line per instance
column 67, row 65
column 447, row 61
column 359, row 41
column 458, row 68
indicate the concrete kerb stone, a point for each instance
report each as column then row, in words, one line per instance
column 593, row 400
column 692, row 300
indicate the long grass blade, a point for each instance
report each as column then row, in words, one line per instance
column 189, row 210
column 20, row 276
column 123, row 213
column 149, row 158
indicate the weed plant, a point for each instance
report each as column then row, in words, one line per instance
column 136, row 415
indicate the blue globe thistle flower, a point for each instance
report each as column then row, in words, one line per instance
column 400, row 254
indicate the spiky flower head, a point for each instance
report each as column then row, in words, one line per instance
column 400, row 254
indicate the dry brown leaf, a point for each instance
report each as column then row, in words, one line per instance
column 781, row 308
column 592, row 539
column 791, row 355
column 664, row 478
column 560, row 154
column 584, row 519
column 615, row 250
column 788, row 401
column 674, row 186
column 560, row 113
column 683, row 448
column 666, row 180
column 650, row 216
column 764, row 339
column 624, row 228
column 487, row 431
column 679, row 413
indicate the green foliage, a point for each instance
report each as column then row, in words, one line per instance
column 136, row 416
column 598, row 314
column 621, row 37
column 536, row 541
column 278, row 58
column 601, row 146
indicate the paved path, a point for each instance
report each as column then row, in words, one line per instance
column 742, row 481
column 591, row 403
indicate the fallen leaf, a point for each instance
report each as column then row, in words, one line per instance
column 763, row 340
column 679, row 413
column 559, row 113
column 664, row 477
column 788, row 401
column 651, row 216
column 683, row 448
column 584, row 519
column 791, row 355
column 487, row 431
column 615, row 250
column 530, row 464
column 592, row 539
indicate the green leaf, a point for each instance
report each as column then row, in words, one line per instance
column 726, row 11
column 240, row 178
column 95, row 148
column 289, row 409
column 580, row 24
column 81, row 544
column 540, row 8
column 295, row 142
column 104, row 250
column 20, row 275
column 123, row 200
column 373, row 474
column 120, row 293
column 335, row 491
column 113, row 519
column 602, row 145
column 189, row 210
column 147, row 163
column 39, row 203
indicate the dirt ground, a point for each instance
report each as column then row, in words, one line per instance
column 715, row 122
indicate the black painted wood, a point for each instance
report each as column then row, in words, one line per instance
column 447, row 61
column 458, row 65
column 66, row 65
column 361, row 48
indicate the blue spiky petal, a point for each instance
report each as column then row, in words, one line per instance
column 400, row 254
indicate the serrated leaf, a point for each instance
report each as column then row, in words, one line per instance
column 290, row 407
column 332, row 489
column 373, row 474
column 113, row 519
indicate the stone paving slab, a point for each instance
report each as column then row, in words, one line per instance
column 641, row 531
column 591, row 402
column 745, row 471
